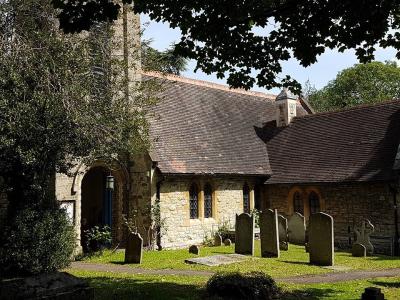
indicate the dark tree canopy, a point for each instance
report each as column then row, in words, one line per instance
column 220, row 34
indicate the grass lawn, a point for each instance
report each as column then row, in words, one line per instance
column 124, row 286
column 291, row 263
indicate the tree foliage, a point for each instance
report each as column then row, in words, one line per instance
column 222, row 35
column 361, row 84
column 58, row 103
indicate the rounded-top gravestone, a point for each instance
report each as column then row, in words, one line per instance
column 244, row 234
column 194, row 249
column 320, row 239
column 297, row 229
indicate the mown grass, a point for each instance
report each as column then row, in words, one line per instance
column 291, row 263
column 126, row 286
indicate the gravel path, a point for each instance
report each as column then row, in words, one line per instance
column 303, row 279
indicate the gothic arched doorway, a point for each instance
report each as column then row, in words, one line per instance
column 97, row 201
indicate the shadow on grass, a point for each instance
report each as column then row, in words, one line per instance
column 308, row 293
column 296, row 262
column 384, row 257
column 395, row 285
column 134, row 288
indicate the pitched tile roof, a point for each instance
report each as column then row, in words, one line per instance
column 358, row 144
column 204, row 128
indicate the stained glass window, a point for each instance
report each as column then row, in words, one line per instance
column 298, row 203
column 314, row 202
column 194, row 202
column 246, row 198
column 208, row 201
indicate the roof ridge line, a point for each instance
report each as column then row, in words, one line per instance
column 208, row 84
column 344, row 110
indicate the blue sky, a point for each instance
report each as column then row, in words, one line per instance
column 319, row 74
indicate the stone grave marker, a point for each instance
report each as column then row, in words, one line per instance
column 227, row 242
column 269, row 233
column 217, row 260
column 358, row 250
column 134, row 249
column 320, row 239
column 244, row 234
column 217, row 240
column 372, row 293
column 297, row 229
column 283, row 233
column 194, row 249
column 363, row 235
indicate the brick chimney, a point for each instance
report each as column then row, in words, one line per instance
column 285, row 107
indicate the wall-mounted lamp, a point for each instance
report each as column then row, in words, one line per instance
column 110, row 182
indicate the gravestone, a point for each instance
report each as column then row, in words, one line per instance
column 194, row 249
column 358, row 250
column 283, row 233
column 363, row 235
column 134, row 249
column 269, row 233
column 217, row 260
column 217, row 240
column 244, row 234
column 297, row 229
column 372, row 293
column 320, row 239
column 227, row 242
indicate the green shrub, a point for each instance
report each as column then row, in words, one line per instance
column 253, row 285
column 224, row 230
column 98, row 238
column 37, row 241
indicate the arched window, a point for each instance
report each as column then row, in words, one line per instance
column 246, row 198
column 208, row 201
column 313, row 200
column 194, row 201
column 298, row 205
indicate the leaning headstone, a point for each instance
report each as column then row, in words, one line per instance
column 244, row 234
column 227, row 242
column 194, row 249
column 134, row 249
column 217, row 240
column 358, row 250
column 363, row 235
column 269, row 233
column 283, row 233
column 320, row 239
column 372, row 293
column 297, row 229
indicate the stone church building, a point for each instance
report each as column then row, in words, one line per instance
column 218, row 152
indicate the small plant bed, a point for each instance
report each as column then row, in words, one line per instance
column 291, row 263
column 124, row 286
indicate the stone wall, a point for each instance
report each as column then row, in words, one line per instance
column 174, row 205
column 347, row 204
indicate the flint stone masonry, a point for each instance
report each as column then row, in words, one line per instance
column 217, row 260
column 283, row 233
column 348, row 204
column 297, row 229
column 269, row 233
column 217, row 240
column 244, row 234
column 320, row 243
column 134, row 249
column 358, row 250
column 363, row 233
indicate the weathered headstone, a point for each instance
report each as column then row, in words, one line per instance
column 297, row 229
column 244, row 234
column 269, row 233
column 363, row 235
column 283, row 233
column 134, row 249
column 372, row 293
column 320, row 239
column 358, row 250
column 217, row 240
column 227, row 242
column 194, row 249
